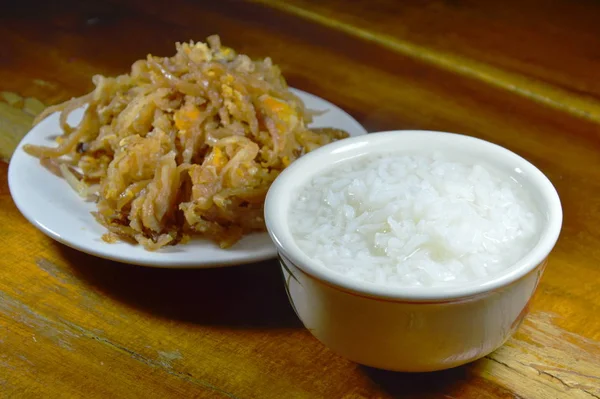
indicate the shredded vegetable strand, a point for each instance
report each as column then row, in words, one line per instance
column 183, row 145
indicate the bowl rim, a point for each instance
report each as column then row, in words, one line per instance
column 281, row 189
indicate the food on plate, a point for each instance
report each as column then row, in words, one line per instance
column 183, row 146
column 414, row 219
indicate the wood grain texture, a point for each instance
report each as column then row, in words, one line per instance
column 490, row 41
column 519, row 75
column 17, row 115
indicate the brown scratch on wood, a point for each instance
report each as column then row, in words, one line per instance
column 53, row 270
column 63, row 332
column 12, row 99
column 88, row 299
column 593, row 377
column 166, row 358
column 16, row 117
column 44, row 83
column 6, row 365
column 43, row 326
column 154, row 363
column 545, row 361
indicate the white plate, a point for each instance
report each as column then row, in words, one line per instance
column 50, row 204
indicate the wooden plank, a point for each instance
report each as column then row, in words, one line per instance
column 545, row 52
column 77, row 363
column 245, row 329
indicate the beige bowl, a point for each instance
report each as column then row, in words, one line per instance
column 416, row 328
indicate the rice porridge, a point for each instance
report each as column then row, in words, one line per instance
column 414, row 220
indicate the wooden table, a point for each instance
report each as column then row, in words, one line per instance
column 524, row 74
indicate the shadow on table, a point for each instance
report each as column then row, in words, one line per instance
column 437, row 384
column 249, row 296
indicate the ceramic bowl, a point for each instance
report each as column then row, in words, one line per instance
column 415, row 328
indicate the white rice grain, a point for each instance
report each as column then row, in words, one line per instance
column 410, row 220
